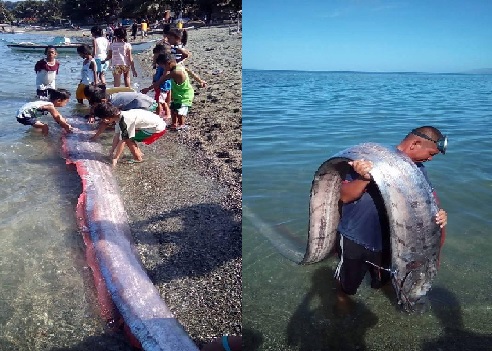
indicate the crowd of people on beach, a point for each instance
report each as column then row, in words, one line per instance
column 136, row 116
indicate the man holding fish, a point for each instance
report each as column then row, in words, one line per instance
column 364, row 222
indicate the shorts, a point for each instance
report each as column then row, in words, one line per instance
column 79, row 94
column 121, row 69
column 157, row 94
column 147, row 137
column 179, row 108
column 101, row 67
column 163, row 96
column 354, row 265
column 27, row 121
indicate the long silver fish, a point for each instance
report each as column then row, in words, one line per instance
column 104, row 224
column 411, row 209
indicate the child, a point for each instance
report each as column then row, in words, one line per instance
column 144, row 26
column 134, row 30
column 46, row 71
column 182, row 92
column 100, row 46
column 178, row 38
column 109, row 32
column 29, row 113
column 120, row 52
column 163, row 92
column 124, row 101
column 131, row 127
column 88, row 73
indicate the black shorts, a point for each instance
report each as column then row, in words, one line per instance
column 354, row 266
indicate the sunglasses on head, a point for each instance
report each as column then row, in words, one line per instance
column 441, row 143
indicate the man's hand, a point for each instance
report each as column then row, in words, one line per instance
column 362, row 167
column 442, row 218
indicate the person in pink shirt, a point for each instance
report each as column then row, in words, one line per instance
column 120, row 52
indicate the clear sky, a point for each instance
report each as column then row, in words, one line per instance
column 367, row 35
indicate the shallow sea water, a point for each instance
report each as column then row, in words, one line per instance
column 294, row 121
column 47, row 297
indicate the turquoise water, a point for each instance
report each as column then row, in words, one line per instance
column 47, row 296
column 292, row 122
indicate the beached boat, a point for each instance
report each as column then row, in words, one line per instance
column 29, row 46
column 64, row 45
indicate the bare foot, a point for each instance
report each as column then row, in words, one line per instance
column 344, row 305
column 114, row 161
column 140, row 154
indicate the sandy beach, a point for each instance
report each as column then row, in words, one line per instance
column 184, row 201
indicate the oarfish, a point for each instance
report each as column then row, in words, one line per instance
column 411, row 209
column 104, row 222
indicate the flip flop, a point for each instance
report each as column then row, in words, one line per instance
column 131, row 162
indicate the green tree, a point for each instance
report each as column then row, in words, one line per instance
column 51, row 11
column 84, row 11
column 151, row 9
column 5, row 15
column 28, row 10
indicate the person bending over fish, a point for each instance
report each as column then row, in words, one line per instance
column 363, row 219
column 29, row 113
column 131, row 126
column 125, row 101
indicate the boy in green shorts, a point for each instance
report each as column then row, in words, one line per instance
column 182, row 92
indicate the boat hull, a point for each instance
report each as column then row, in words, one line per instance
column 72, row 48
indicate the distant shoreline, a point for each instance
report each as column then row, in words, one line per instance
column 471, row 72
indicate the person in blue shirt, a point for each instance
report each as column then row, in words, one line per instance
column 363, row 221
column 163, row 92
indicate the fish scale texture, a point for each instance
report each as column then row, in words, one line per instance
column 106, row 222
column 410, row 206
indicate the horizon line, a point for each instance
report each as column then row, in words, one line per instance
column 473, row 71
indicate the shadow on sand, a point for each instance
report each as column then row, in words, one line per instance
column 206, row 237
column 104, row 342
column 252, row 339
column 316, row 324
column 455, row 338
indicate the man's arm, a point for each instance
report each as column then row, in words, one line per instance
column 353, row 190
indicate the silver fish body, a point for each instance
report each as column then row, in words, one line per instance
column 411, row 209
column 104, row 221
